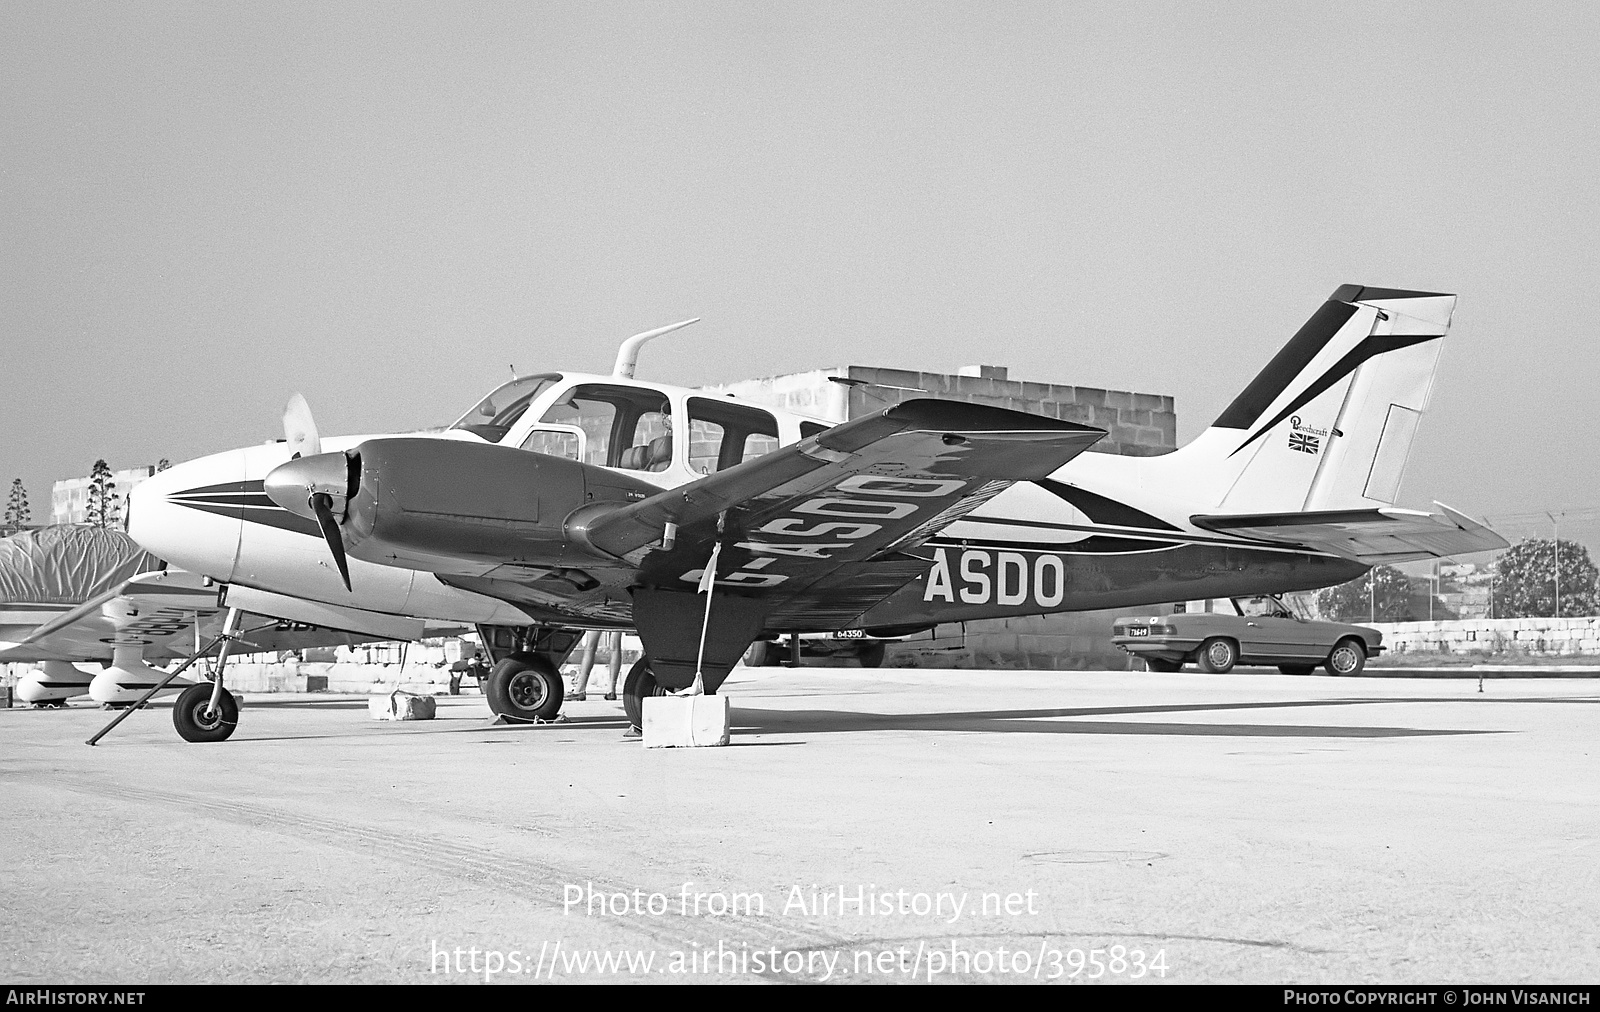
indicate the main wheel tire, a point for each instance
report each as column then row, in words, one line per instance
column 641, row 682
column 189, row 714
column 1218, row 655
column 1347, row 658
column 871, row 655
column 1162, row 664
column 1297, row 669
column 525, row 688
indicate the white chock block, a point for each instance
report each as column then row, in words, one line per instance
column 686, row 721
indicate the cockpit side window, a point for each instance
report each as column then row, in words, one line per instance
column 627, row 427
column 494, row 416
column 722, row 434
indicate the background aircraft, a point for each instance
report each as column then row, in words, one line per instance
column 75, row 594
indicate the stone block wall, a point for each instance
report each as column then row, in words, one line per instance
column 1534, row 637
column 1136, row 424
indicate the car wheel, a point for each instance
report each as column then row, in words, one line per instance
column 1218, row 656
column 1297, row 669
column 871, row 655
column 1347, row 658
column 756, row 656
column 524, row 688
column 1162, row 664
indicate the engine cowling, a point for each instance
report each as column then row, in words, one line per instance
column 449, row 506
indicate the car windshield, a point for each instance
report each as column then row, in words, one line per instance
column 493, row 416
column 1265, row 606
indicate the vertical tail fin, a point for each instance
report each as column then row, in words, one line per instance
column 1328, row 424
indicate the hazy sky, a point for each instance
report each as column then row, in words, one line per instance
column 206, row 208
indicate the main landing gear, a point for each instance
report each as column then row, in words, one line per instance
column 525, row 688
column 641, row 682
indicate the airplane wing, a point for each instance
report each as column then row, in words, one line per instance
column 1373, row 536
column 170, row 613
column 870, row 490
column 813, row 535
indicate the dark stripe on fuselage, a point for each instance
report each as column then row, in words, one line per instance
column 1235, row 541
column 1101, row 509
column 1288, row 363
column 275, row 516
column 1097, row 545
column 226, row 499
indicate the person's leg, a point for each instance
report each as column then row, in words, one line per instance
column 615, row 665
column 590, row 641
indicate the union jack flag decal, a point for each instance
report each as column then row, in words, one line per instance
column 1302, row 442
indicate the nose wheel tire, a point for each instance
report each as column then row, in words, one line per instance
column 1218, row 656
column 641, row 682
column 525, row 688
column 194, row 723
column 1347, row 658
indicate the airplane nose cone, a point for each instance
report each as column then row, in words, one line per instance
column 293, row 484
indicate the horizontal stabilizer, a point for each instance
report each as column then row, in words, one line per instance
column 1373, row 536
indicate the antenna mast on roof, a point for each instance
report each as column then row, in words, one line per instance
column 628, row 354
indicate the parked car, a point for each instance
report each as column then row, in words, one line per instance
column 866, row 649
column 1257, row 630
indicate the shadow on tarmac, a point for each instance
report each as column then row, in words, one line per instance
column 1048, row 721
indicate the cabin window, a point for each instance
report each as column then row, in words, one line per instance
column 722, row 435
column 555, row 442
column 627, row 427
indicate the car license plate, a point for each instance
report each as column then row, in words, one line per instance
column 1138, row 630
column 850, row 634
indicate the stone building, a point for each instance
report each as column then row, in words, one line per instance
column 1137, row 424
column 69, row 498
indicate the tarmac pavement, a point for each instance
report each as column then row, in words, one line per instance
column 1029, row 826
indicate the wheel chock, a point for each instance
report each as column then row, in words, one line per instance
column 401, row 706
column 686, row 721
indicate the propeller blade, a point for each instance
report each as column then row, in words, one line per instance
column 300, row 429
column 322, row 505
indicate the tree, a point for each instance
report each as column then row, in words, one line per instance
column 17, row 512
column 1525, row 580
column 103, row 509
column 1383, row 595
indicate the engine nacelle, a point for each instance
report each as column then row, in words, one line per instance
column 456, row 507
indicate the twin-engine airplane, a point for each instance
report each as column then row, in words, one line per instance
column 566, row 502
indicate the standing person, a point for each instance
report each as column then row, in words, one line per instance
column 591, row 643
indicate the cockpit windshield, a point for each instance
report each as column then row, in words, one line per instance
column 497, row 413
